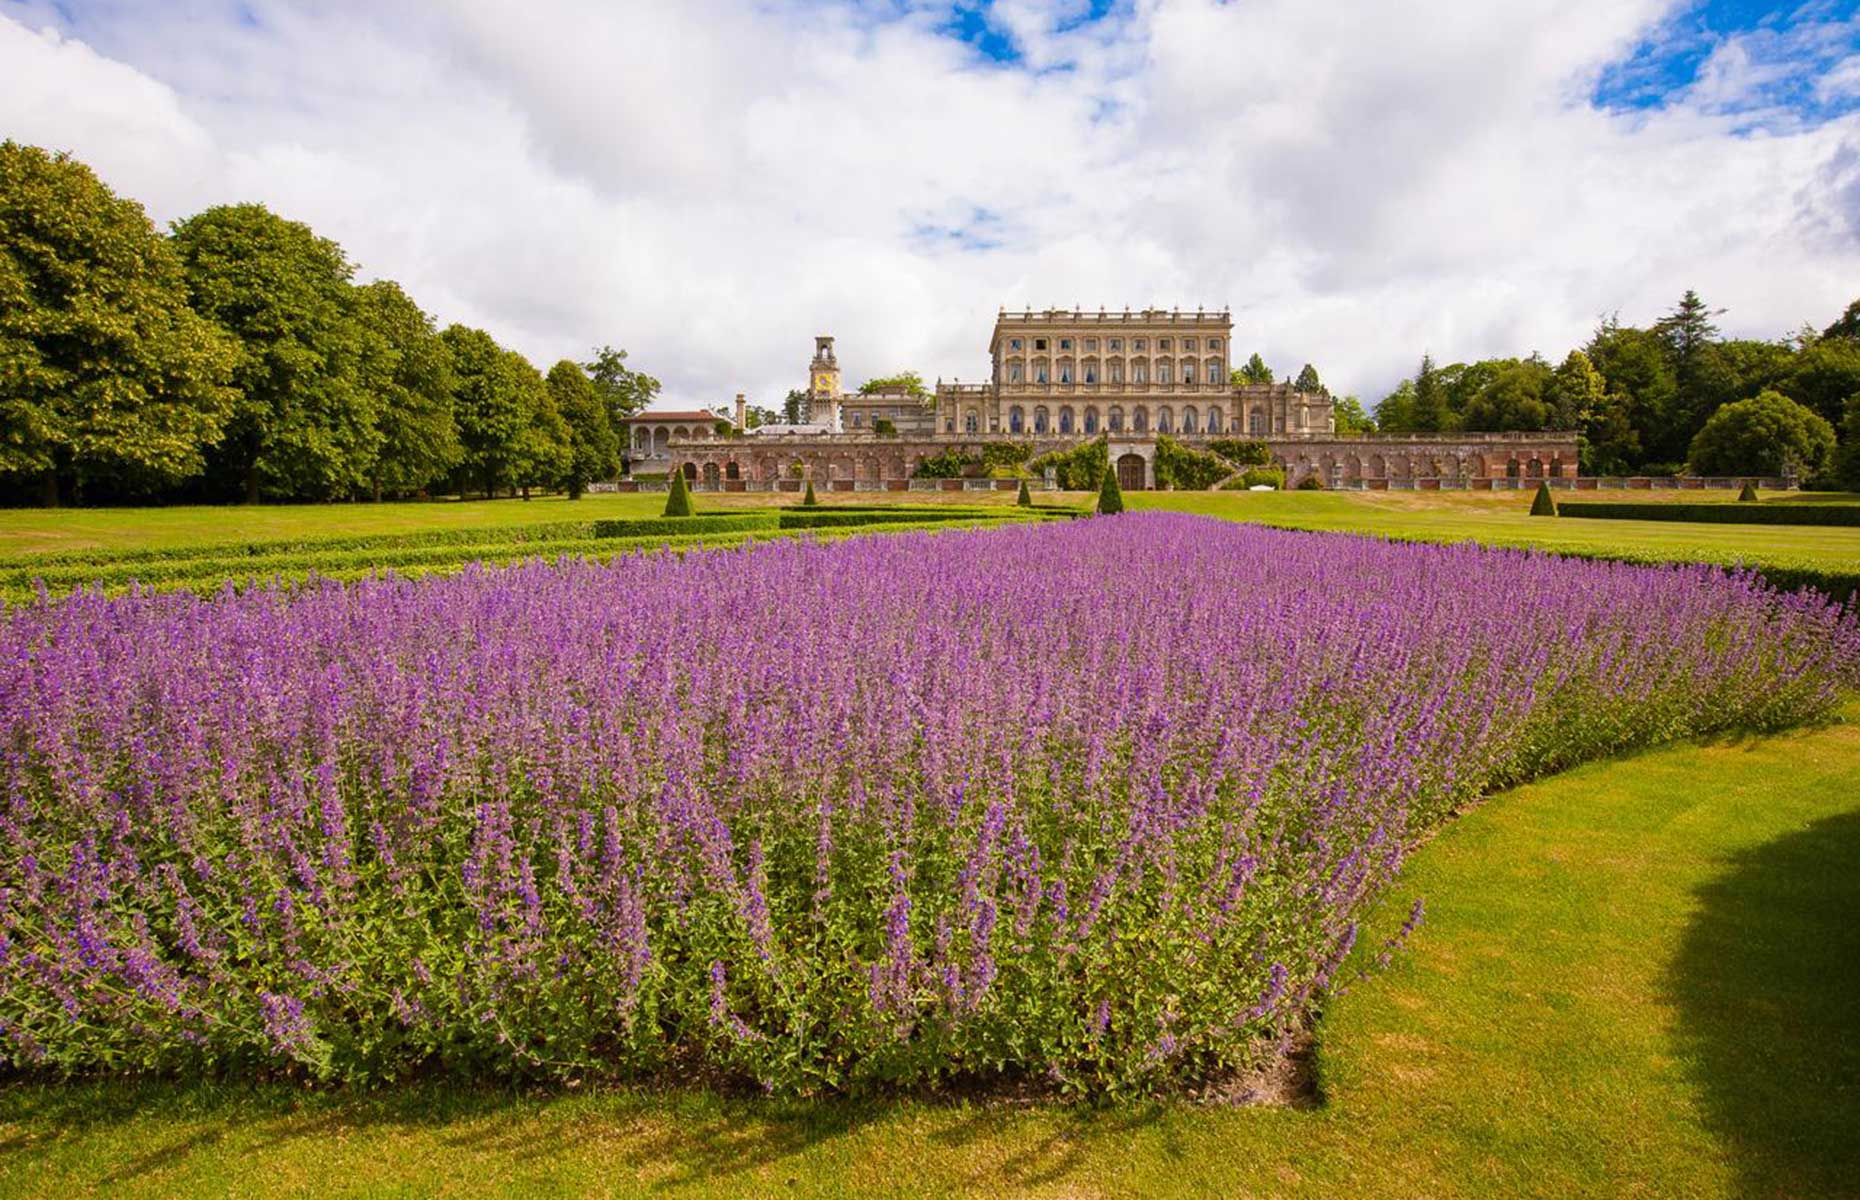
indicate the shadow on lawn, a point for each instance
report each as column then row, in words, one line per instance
column 1767, row 983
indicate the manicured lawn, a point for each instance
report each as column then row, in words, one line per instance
column 1504, row 519
column 30, row 530
column 1641, row 978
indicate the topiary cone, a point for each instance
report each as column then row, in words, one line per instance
column 809, row 500
column 1545, row 504
column 1749, row 494
column 678, row 503
column 1025, row 498
column 1110, row 496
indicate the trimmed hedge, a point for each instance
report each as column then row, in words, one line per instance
column 708, row 523
column 1722, row 514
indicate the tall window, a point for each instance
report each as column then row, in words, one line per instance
column 1091, row 373
column 969, row 422
column 1065, row 420
column 1039, row 372
column 1188, row 372
column 1116, row 369
column 1117, row 420
column 1162, row 371
column 1091, row 420
column 1065, row 372
column 1188, row 421
column 1214, row 420
column 1039, row 420
column 1139, row 372
column 1016, row 419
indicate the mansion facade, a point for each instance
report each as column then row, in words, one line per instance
column 1060, row 377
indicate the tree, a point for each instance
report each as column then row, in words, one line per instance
column 809, row 500
column 106, row 373
column 1543, row 504
column 1575, row 392
column 1023, row 498
column 1110, row 496
column 1255, row 371
column 1512, row 399
column 909, row 381
column 543, row 453
column 594, row 449
column 794, row 409
column 1768, row 435
column 1824, row 375
column 408, row 368
column 1430, row 413
column 755, row 416
column 1308, row 380
column 678, row 500
column 304, row 426
column 488, row 403
column 1395, row 412
column 1847, row 325
column 1634, row 365
column 623, row 390
column 1351, row 420
column 1847, row 464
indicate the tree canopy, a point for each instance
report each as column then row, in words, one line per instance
column 107, row 375
column 1254, row 370
column 909, row 381
column 1768, row 434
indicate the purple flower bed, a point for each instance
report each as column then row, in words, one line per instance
column 1101, row 804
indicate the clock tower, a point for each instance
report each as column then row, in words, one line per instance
column 823, row 391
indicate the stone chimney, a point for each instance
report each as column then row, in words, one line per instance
column 742, row 413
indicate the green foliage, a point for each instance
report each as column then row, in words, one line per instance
column 1307, row 380
column 1575, row 393
column 884, row 427
column 810, row 499
column 1110, row 495
column 410, row 369
column 1311, row 483
column 594, row 447
column 1254, row 370
column 678, row 499
column 950, row 464
column 1847, row 463
column 1186, row 469
column 1543, row 504
column 909, row 381
column 1429, row 412
column 1241, row 452
column 1023, row 498
column 1768, row 435
column 795, row 407
column 1835, row 515
column 1266, row 476
column 1005, row 454
column 622, row 390
column 1847, row 325
column 1823, row 376
column 106, row 373
column 1748, row 493
column 1351, row 420
column 306, row 423
column 488, row 405
column 1079, row 469
column 1510, row 397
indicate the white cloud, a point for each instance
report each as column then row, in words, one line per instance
column 710, row 184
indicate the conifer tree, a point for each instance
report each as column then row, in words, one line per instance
column 1748, row 495
column 809, row 500
column 1544, row 505
column 1110, row 496
column 1025, row 498
column 678, row 502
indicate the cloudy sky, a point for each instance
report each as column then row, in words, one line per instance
column 710, row 183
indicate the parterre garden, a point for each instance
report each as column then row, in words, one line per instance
column 1102, row 809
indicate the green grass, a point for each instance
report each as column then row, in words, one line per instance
column 1640, row 978
column 1504, row 519
column 37, row 530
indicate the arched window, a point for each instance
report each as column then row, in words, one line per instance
column 1091, row 420
column 949, row 425
column 1164, row 420
column 1039, row 419
column 1117, row 420
column 1065, row 420
column 969, row 422
column 1214, row 420
column 1016, row 419
column 1188, row 421
column 1140, row 420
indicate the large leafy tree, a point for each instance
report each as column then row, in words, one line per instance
column 1513, row 398
column 489, row 404
column 594, row 448
column 106, row 373
column 1575, row 392
column 1308, row 380
column 1635, row 366
column 1254, row 370
column 305, row 424
column 1350, row 417
column 1847, row 325
column 543, row 454
column 1769, row 434
column 409, row 370
column 1824, row 375
column 623, row 390
column 1847, row 460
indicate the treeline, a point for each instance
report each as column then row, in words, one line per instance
column 1664, row 399
column 235, row 357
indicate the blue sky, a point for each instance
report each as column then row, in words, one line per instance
column 711, row 183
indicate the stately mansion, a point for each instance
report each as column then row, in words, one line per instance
column 1059, row 377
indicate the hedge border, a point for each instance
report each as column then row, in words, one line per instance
column 1721, row 514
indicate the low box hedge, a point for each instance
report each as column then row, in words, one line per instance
column 1772, row 513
